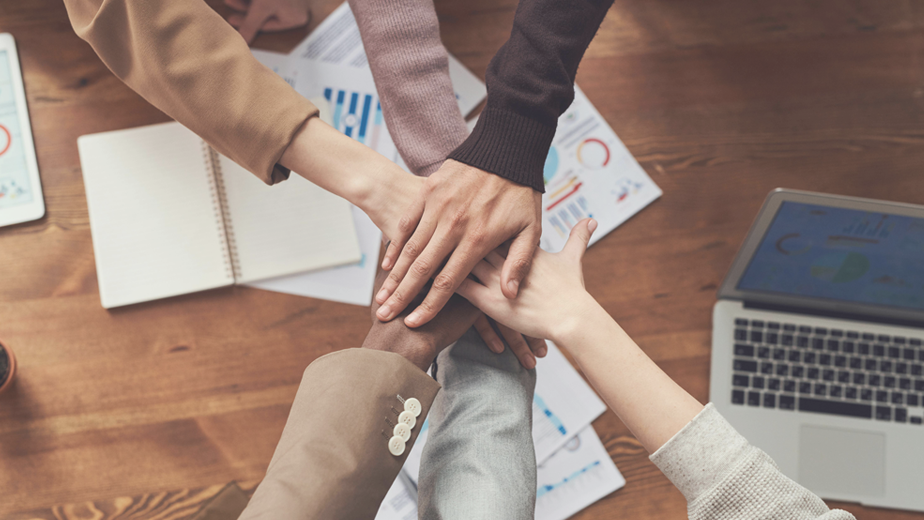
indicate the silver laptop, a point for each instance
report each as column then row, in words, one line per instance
column 817, row 349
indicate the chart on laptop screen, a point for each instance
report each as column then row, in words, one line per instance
column 15, row 188
column 841, row 254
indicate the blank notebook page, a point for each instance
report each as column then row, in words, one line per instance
column 155, row 229
column 284, row 229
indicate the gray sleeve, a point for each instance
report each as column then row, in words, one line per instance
column 723, row 477
column 479, row 460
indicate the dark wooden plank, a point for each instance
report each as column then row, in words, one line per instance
column 162, row 403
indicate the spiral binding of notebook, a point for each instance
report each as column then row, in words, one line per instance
column 222, row 215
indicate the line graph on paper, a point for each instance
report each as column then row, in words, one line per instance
column 546, row 424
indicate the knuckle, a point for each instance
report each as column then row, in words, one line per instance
column 444, row 282
column 426, row 307
column 521, row 266
column 422, row 268
column 406, row 224
column 478, row 238
column 459, row 219
column 394, row 278
column 412, row 249
column 398, row 297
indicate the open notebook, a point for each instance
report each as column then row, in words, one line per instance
column 171, row 216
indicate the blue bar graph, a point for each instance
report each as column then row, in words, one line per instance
column 354, row 119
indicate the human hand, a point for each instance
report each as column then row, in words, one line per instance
column 462, row 214
column 552, row 298
column 254, row 16
column 421, row 345
column 525, row 348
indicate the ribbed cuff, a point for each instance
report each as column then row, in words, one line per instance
column 701, row 455
column 509, row 145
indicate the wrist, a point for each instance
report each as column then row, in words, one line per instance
column 416, row 350
column 333, row 161
column 583, row 314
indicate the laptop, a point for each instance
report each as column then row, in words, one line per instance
column 818, row 345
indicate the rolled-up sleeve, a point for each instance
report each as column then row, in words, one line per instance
column 184, row 59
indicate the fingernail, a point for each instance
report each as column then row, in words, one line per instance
column 542, row 352
column 381, row 296
column 497, row 346
column 513, row 285
column 384, row 312
column 530, row 362
column 592, row 225
column 386, row 263
column 414, row 318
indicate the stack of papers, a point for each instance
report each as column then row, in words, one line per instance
column 574, row 468
column 331, row 64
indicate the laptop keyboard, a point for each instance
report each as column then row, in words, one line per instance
column 829, row 371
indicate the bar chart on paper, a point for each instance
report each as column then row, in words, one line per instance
column 357, row 115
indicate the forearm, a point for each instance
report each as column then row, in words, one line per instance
column 649, row 402
column 411, row 71
column 353, row 171
column 187, row 61
column 530, row 84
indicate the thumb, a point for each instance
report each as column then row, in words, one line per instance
column 580, row 236
column 519, row 259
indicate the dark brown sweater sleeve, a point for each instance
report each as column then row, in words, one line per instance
column 530, row 84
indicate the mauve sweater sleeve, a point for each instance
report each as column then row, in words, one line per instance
column 530, row 84
column 411, row 71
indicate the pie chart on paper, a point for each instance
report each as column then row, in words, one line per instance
column 593, row 153
column 5, row 139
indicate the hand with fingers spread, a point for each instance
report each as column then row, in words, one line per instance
column 253, row 16
column 555, row 282
column 462, row 214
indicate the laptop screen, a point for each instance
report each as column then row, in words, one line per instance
column 840, row 254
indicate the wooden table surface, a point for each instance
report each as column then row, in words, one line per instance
column 146, row 411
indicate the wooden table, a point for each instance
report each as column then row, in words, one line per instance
column 720, row 101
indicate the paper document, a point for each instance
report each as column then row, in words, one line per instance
column 563, row 404
column 575, row 477
column 399, row 502
column 589, row 173
column 337, row 41
column 346, row 284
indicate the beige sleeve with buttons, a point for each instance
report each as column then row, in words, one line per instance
column 355, row 417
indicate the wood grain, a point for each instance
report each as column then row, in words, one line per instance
column 145, row 412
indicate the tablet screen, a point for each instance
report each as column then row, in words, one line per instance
column 840, row 254
column 15, row 188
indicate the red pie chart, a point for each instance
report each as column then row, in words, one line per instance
column 5, row 139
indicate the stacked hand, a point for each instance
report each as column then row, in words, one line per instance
column 461, row 215
column 556, row 282
column 420, row 346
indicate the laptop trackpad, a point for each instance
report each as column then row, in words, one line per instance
column 842, row 461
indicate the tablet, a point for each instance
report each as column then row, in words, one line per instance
column 20, row 188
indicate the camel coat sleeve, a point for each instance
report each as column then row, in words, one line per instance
column 186, row 60
column 333, row 459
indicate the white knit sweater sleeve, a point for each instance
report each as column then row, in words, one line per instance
column 723, row 477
